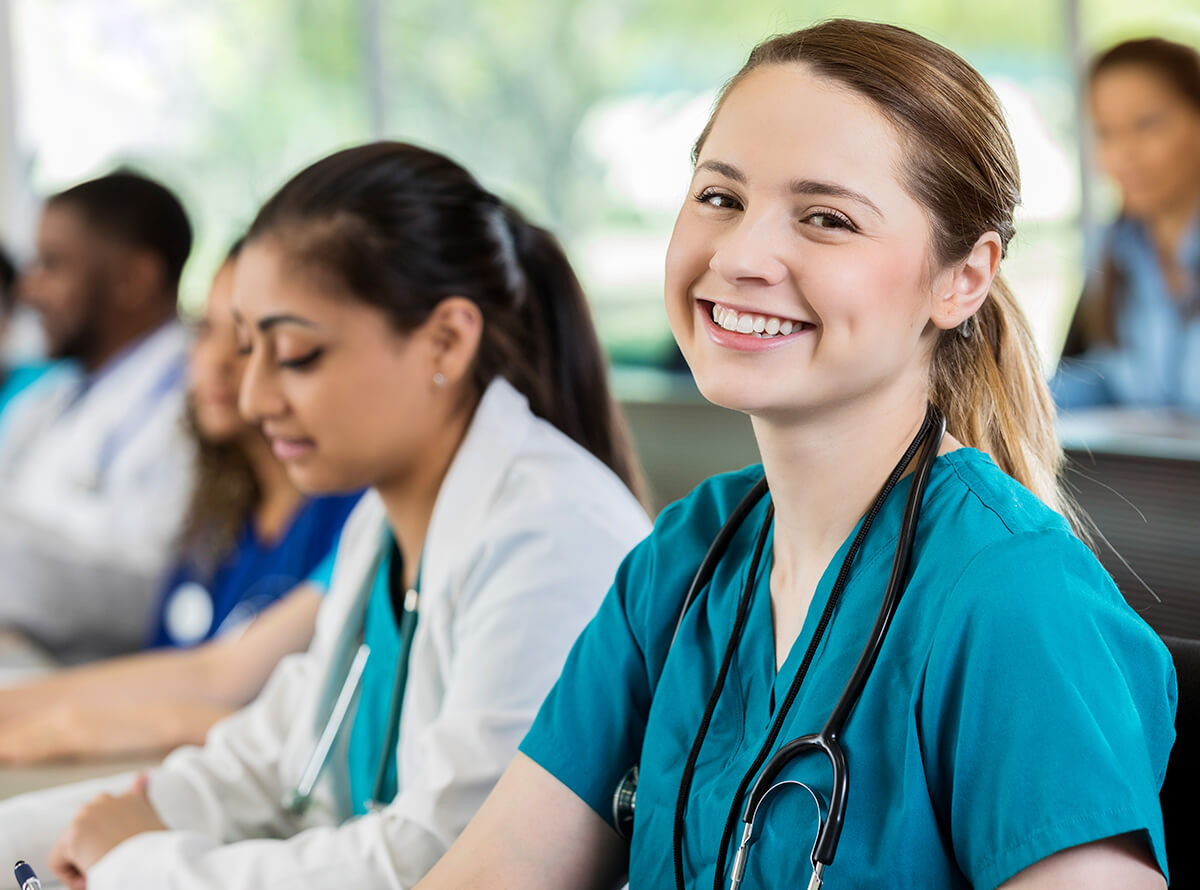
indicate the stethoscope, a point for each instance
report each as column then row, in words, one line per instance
column 297, row 799
column 830, row 815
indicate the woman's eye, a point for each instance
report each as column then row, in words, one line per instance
column 828, row 219
column 1149, row 122
column 242, row 349
column 717, row 199
column 301, row 362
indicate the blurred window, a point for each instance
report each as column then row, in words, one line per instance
column 582, row 112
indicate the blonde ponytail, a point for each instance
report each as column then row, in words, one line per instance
column 989, row 385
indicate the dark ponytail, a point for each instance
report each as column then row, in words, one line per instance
column 403, row 228
column 552, row 353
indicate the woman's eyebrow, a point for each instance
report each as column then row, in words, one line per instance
column 797, row 186
column 271, row 321
column 727, row 170
column 833, row 190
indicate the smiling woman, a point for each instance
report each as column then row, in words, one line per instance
column 856, row 184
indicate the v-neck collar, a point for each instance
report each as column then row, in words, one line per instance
column 765, row 688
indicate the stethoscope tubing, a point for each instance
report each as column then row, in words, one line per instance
column 712, row 557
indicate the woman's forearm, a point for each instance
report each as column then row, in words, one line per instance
column 224, row 673
column 140, row 677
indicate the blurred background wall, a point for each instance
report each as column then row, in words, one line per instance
column 581, row 111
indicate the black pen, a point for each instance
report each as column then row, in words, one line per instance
column 26, row 879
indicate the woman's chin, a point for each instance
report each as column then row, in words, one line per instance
column 737, row 395
column 314, row 479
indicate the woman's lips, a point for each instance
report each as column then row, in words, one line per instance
column 750, row 331
column 287, row 449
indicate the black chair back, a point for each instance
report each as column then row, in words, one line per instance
column 1181, row 789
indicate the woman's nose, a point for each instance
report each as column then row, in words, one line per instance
column 750, row 253
column 258, row 395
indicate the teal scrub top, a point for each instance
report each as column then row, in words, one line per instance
column 1018, row 707
column 371, row 738
column 14, row 381
column 374, row 735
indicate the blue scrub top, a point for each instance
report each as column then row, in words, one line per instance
column 253, row 575
column 1156, row 362
column 1018, row 707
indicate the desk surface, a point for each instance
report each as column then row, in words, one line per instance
column 1138, row 432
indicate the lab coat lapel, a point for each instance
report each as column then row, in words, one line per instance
column 501, row 423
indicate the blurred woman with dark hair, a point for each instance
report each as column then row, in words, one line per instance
column 1135, row 339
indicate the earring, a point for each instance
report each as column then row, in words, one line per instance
column 964, row 329
column 439, row 379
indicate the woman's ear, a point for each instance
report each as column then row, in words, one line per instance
column 962, row 288
column 454, row 330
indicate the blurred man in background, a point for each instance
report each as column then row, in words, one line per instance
column 94, row 460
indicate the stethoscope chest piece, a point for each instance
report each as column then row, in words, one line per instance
column 623, row 803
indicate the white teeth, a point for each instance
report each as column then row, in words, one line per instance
column 749, row 323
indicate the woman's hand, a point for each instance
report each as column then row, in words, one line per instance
column 99, row 827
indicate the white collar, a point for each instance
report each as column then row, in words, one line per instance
column 497, row 432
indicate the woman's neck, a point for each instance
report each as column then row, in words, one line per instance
column 825, row 469
column 279, row 499
column 1168, row 227
column 409, row 497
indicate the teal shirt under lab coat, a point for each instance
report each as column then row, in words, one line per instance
column 1019, row 706
column 372, row 737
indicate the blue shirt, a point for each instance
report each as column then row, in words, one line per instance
column 253, row 575
column 1018, row 707
column 1156, row 361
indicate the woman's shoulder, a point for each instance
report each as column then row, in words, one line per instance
column 701, row 513
column 657, row 573
column 989, row 504
column 1003, row 550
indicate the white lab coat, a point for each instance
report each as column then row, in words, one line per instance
column 92, row 495
column 525, row 538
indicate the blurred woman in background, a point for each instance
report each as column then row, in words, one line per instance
column 1135, row 339
column 249, row 539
